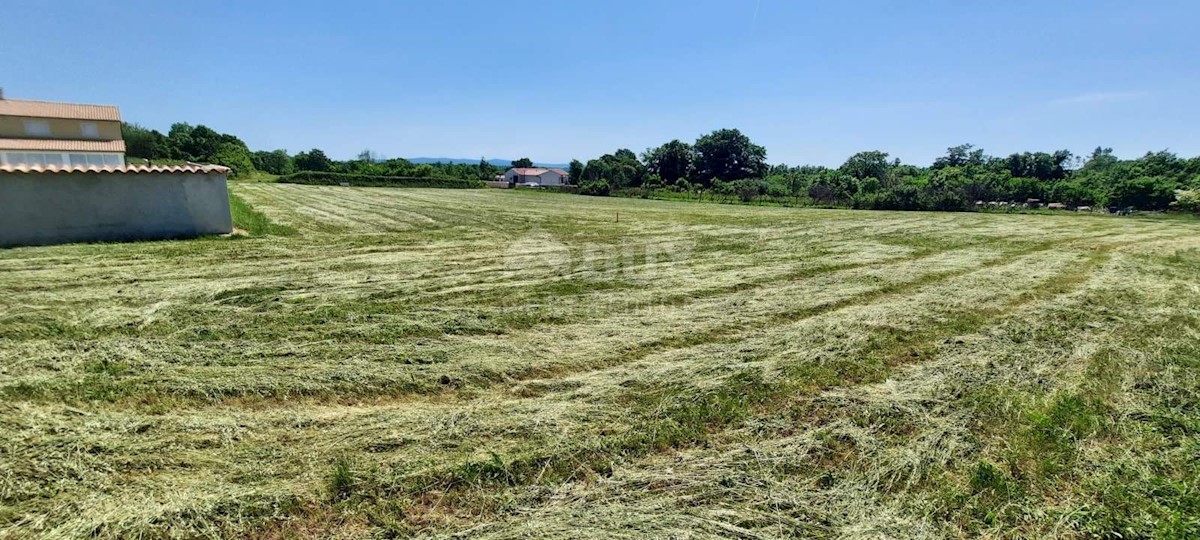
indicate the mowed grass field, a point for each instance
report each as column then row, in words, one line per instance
column 499, row 364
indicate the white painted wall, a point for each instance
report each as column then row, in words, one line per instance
column 57, row 208
column 551, row 178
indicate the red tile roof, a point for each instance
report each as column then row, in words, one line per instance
column 191, row 168
column 62, row 145
column 47, row 109
column 537, row 171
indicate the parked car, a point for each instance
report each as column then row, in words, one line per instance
column 532, row 185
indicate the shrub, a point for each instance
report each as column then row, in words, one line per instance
column 747, row 190
column 234, row 156
column 779, row 186
column 1022, row 189
column 1072, row 193
column 364, row 180
column 1187, row 200
column 595, row 187
column 901, row 197
column 822, row 193
column 1146, row 192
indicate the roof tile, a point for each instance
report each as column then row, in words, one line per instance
column 190, row 168
column 48, row 109
column 529, row 171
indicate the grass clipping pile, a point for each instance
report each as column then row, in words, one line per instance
column 501, row 364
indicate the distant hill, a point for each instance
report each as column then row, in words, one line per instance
column 496, row 162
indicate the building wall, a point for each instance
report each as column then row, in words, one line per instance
column 551, row 178
column 56, row 208
column 548, row 178
column 13, row 127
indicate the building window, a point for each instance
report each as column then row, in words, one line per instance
column 59, row 159
column 89, row 130
column 37, row 128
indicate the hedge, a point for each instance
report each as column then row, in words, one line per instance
column 366, row 180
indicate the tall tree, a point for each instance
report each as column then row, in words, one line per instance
column 671, row 161
column 485, row 169
column 313, row 160
column 575, row 171
column 367, row 156
column 523, row 163
column 962, row 155
column 144, row 143
column 619, row 169
column 729, row 155
column 871, row 164
column 274, row 162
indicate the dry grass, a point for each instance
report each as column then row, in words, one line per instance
column 512, row 364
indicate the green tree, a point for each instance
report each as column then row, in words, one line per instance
column 485, row 170
column 1145, row 193
column 523, row 163
column 201, row 144
column 179, row 140
column 1039, row 165
column 1071, row 192
column 619, row 170
column 963, row 155
column 671, row 161
column 234, row 156
column 274, row 162
column 425, row 170
column 313, row 160
column 575, row 171
column 728, row 155
column 1187, row 200
column 872, row 164
column 367, row 156
column 144, row 143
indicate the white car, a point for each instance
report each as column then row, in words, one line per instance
column 532, row 185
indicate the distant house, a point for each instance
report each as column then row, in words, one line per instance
column 42, row 133
column 537, row 175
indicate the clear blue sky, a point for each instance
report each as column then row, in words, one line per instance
column 555, row 80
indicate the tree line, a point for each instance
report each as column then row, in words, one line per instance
column 726, row 163
column 201, row 144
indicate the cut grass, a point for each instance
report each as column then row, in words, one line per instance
column 500, row 364
column 255, row 223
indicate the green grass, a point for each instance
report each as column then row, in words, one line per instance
column 253, row 222
column 503, row 364
column 259, row 176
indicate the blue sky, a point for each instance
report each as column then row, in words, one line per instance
column 555, row 80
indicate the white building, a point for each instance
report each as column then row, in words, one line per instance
column 537, row 175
